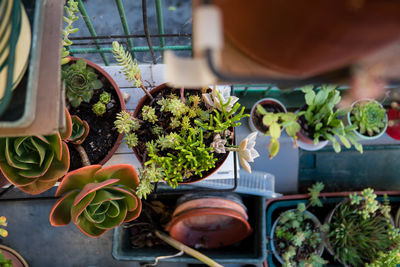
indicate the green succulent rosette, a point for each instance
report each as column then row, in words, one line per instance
column 80, row 130
column 97, row 199
column 34, row 163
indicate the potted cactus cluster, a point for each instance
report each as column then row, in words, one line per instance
column 180, row 136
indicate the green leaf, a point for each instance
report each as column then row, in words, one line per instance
column 97, row 84
column 261, row 110
column 321, row 97
column 273, row 148
column 275, row 130
column 269, row 118
column 310, row 97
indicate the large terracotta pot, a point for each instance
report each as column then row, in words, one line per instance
column 309, row 37
column 17, row 259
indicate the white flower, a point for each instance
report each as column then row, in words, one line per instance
column 247, row 153
column 212, row 98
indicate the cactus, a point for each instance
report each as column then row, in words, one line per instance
column 97, row 199
column 80, row 130
column 80, row 81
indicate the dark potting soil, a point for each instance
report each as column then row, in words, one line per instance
column 102, row 134
column 145, row 134
column 257, row 118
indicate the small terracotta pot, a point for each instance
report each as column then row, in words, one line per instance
column 263, row 102
column 393, row 131
column 317, row 223
column 357, row 133
column 145, row 100
column 120, row 98
column 17, row 259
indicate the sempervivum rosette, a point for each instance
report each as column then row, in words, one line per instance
column 97, row 199
column 34, row 163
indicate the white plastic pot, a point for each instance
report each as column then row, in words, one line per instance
column 263, row 101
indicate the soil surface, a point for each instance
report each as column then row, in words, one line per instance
column 257, row 118
column 145, row 133
column 102, row 134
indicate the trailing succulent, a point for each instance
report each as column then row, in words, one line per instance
column 296, row 236
column 362, row 232
column 97, row 199
column 369, row 117
column 34, row 163
column 323, row 121
column 275, row 122
column 80, row 81
column 70, row 9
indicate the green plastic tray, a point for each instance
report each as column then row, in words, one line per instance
column 249, row 251
column 276, row 206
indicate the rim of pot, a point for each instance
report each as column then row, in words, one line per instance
column 253, row 110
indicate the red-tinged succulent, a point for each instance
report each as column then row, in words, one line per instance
column 80, row 130
column 34, row 163
column 97, row 199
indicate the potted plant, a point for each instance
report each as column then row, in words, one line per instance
column 370, row 118
column 320, row 122
column 97, row 199
column 273, row 123
column 297, row 236
column 256, row 118
column 362, row 231
column 180, row 136
column 8, row 256
column 94, row 97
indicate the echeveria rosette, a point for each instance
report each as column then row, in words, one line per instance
column 34, row 163
column 80, row 130
column 97, row 199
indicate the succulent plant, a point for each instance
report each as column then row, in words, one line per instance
column 80, row 130
column 369, row 117
column 80, row 81
column 4, row 262
column 70, row 9
column 3, row 222
column 34, row 163
column 97, row 199
column 125, row 122
column 105, row 98
column 99, row 108
column 149, row 114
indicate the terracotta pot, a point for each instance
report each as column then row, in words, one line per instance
column 145, row 100
column 304, row 38
column 3, row 180
column 357, row 133
column 17, row 259
column 317, row 223
column 121, row 101
column 393, row 131
column 264, row 102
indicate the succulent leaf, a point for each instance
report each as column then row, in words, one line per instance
column 80, row 130
column 97, row 199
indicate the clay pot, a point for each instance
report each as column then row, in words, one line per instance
column 393, row 131
column 120, row 98
column 358, row 134
column 17, row 259
column 305, row 38
column 209, row 222
column 317, row 223
column 145, row 100
column 265, row 102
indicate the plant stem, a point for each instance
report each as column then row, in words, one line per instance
column 182, row 95
column 236, row 149
column 145, row 91
column 84, row 157
column 188, row 250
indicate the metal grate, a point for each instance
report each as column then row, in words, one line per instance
column 101, row 44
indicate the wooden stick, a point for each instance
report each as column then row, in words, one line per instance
column 188, row 250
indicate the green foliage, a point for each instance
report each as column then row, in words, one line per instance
column 129, row 66
column 297, row 235
column 149, row 114
column 326, row 122
column 224, row 119
column 3, row 222
column 99, row 108
column 125, row 122
column 362, row 231
column 80, row 81
column 4, row 262
column 314, row 192
column 105, row 98
column 131, row 140
column 70, row 9
column 191, row 157
column 275, row 122
column 386, row 259
column 369, row 117
column 80, row 130
column 148, row 175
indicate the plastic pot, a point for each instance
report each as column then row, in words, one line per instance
column 121, row 102
column 265, row 102
column 145, row 100
column 357, row 133
column 209, row 222
column 316, row 222
column 17, row 259
column 393, row 131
